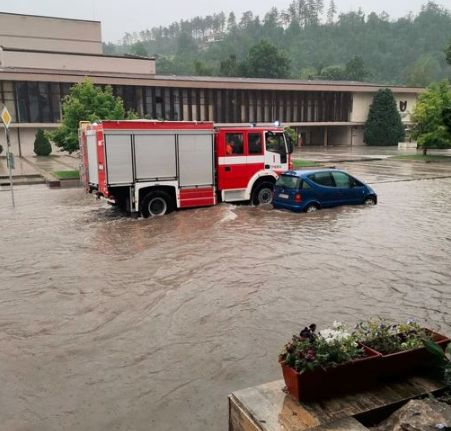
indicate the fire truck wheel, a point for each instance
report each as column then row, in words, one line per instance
column 263, row 194
column 156, row 204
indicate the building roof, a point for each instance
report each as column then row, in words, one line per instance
column 176, row 81
column 315, row 85
column 47, row 17
column 89, row 54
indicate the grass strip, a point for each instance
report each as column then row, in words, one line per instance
column 67, row 175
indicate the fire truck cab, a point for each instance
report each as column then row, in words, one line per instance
column 154, row 167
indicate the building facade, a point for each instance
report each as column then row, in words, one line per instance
column 41, row 57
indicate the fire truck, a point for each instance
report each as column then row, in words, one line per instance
column 152, row 167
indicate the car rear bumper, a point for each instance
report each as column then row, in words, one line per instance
column 297, row 207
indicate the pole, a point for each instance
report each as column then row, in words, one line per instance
column 9, row 159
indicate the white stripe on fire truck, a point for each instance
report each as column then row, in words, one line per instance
column 240, row 160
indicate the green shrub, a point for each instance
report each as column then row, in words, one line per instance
column 384, row 125
column 42, row 146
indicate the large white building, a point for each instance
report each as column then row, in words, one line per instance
column 41, row 57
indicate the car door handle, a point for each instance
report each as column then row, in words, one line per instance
column 228, row 169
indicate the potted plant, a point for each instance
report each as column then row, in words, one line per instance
column 326, row 363
column 400, row 344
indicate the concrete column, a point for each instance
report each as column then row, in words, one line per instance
column 326, row 137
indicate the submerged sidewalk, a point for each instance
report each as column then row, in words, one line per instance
column 37, row 170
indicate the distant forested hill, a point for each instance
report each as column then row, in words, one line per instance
column 307, row 41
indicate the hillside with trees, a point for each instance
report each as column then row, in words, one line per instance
column 309, row 40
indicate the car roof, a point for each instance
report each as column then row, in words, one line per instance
column 305, row 172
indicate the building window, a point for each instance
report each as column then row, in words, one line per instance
column 55, row 99
column 8, row 99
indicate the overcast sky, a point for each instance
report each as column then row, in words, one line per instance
column 118, row 17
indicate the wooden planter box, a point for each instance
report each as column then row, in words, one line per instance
column 321, row 383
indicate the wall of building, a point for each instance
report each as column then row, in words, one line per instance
column 362, row 101
column 50, row 34
column 62, row 61
column 339, row 136
column 26, row 136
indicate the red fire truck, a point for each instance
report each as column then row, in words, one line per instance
column 154, row 167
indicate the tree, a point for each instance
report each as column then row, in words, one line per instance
column 139, row 49
column 264, row 60
column 331, row 12
column 425, row 70
column 448, row 54
column 355, row 69
column 42, row 146
column 446, row 115
column 202, row 69
column 229, row 66
column 384, row 125
column 85, row 102
column 430, row 117
column 333, row 73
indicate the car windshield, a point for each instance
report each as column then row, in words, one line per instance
column 288, row 181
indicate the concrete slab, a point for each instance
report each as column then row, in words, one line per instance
column 359, row 153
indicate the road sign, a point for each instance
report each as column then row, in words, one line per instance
column 6, row 117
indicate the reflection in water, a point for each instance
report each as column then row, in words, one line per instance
column 111, row 323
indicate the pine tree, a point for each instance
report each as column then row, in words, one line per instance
column 231, row 22
column 42, row 146
column 302, row 13
column 319, row 8
column 384, row 125
column 331, row 12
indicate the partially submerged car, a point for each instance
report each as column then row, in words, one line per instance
column 310, row 190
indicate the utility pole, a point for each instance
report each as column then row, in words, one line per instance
column 6, row 118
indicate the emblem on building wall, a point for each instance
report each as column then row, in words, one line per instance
column 402, row 105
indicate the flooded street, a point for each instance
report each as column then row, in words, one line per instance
column 109, row 323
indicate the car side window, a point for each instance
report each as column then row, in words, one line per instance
column 322, row 179
column 305, row 185
column 342, row 180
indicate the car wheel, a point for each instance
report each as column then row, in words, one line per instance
column 263, row 194
column 156, row 204
column 369, row 201
column 311, row 208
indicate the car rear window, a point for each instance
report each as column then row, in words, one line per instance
column 288, row 181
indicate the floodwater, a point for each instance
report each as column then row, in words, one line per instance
column 109, row 323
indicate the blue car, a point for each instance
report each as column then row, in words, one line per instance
column 310, row 190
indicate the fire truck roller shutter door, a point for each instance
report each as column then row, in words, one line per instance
column 196, row 159
column 155, row 156
column 118, row 149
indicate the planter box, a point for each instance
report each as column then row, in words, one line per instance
column 325, row 383
column 400, row 364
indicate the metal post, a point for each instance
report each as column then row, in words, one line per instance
column 9, row 160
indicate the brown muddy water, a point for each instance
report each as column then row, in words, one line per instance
column 109, row 323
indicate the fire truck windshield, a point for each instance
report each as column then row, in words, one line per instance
column 275, row 142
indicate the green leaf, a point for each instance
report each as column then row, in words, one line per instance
column 434, row 348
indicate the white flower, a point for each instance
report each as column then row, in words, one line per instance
column 333, row 335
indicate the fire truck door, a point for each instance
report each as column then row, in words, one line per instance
column 233, row 167
column 275, row 154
